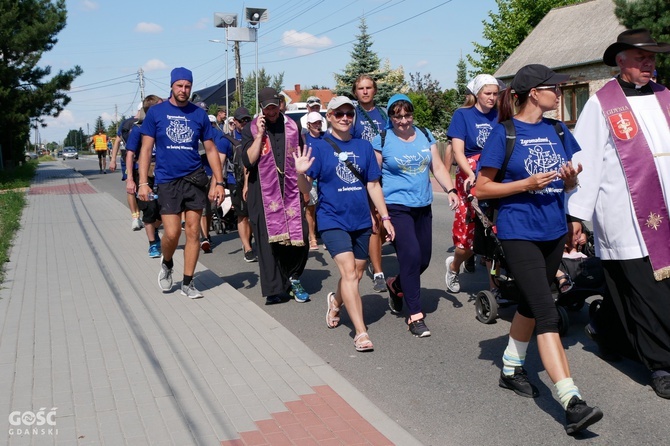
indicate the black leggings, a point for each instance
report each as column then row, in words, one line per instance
column 533, row 266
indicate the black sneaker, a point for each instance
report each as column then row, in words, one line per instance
column 579, row 416
column 250, row 257
column 469, row 265
column 395, row 297
column 419, row 329
column 518, row 383
column 274, row 299
column 661, row 385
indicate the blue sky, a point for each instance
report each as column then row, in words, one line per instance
column 308, row 40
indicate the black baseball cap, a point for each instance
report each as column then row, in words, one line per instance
column 268, row 96
column 534, row 75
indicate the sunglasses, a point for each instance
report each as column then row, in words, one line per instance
column 555, row 88
column 340, row 114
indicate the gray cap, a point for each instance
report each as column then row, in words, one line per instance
column 339, row 101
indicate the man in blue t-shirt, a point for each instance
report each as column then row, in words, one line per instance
column 370, row 120
column 175, row 127
column 121, row 136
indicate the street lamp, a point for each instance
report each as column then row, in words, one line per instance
column 254, row 16
column 225, row 20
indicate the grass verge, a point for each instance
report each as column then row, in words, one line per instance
column 11, row 205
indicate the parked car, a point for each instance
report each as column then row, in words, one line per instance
column 59, row 153
column 70, row 153
column 29, row 156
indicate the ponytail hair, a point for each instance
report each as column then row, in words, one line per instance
column 509, row 102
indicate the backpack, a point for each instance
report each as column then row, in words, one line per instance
column 235, row 165
column 126, row 127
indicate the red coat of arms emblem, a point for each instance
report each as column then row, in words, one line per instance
column 623, row 125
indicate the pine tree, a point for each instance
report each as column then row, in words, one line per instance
column 28, row 29
column 655, row 16
column 365, row 61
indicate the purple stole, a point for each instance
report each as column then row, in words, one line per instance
column 283, row 218
column 640, row 171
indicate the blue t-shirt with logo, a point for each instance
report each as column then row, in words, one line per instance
column 343, row 199
column 534, row 215
column 177, row 131
column 406, row 168
column 473, row 127
column 363, row 125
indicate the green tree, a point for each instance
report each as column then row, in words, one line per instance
column 28, row 29
column 275, row 81
column 653, row 15
column 427, row 91
column 507, row 28
column 75, row 138
column 365, row 61
column 99, row 125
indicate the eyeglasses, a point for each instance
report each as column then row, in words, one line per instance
column 555, row 88
column 340, row 115
column 399, row 118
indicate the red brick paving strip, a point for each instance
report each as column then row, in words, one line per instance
column 321, row 418
column 63, row 189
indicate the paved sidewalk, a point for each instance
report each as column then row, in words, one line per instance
column 86, row 334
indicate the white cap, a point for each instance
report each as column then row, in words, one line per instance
column 339, row 101
column 314, row 117
column 212, row 118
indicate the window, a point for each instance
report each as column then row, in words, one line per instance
column 574, row 98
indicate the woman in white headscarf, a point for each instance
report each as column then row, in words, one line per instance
column 469, row 128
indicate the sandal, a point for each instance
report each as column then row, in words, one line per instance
column 332, row 322
column 313, row 245
column 363, row 343
column 564, row 283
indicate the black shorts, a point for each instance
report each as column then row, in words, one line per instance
column 101, row 153
column 180, row 195
column 239, row 205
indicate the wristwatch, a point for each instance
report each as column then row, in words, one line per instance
column 221, row 183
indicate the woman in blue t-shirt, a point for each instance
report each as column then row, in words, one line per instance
column 407, row 155
column 532, row 228
column 470, row 126
column 347, row 172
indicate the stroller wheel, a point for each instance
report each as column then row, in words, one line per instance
column 486, row 307
column 593, row 308
column 563, row 322
column 575, row 306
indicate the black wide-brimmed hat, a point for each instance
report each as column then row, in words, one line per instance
column 631, row 39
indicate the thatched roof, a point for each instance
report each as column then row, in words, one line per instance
column 566, row 37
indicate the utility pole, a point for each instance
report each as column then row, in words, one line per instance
column 140, row 74
column 238, row 75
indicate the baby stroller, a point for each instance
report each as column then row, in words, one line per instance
column 223, row 215
column 486, row 306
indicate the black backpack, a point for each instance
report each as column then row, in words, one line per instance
column 235, row 165
column 126, row 127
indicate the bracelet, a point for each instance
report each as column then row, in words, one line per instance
column 452, row 191
column 221, row 183
column 386, row 218
column 142, row 184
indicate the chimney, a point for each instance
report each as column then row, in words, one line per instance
column 297, row 89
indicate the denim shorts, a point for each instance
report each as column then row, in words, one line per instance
column 338, row 241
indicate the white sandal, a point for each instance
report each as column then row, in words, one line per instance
column 332, row 322
column 363, row 345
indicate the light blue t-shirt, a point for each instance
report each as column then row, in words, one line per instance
column 473, row 127
column 534, row 215
column 406, row 169
column 343, row 199
column 223, row 146
column 363, row 126
column 177, row 131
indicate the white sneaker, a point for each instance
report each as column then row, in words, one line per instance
column 136, row 224
column 165, row 277
column 453, row 285
column 191, row 291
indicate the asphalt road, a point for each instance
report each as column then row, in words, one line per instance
column 444, row 389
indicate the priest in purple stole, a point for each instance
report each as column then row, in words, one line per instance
column 624, row 132
column 276, row 212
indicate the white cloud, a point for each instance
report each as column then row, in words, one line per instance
column 146, row 27
column 421, row 63
column 305, row 41
column 203, row 23
column 153, row 65
column 89, row 5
